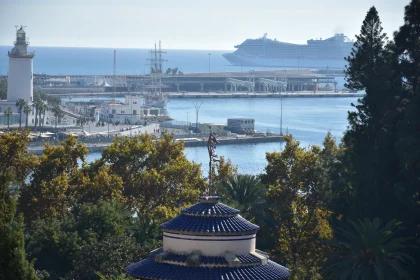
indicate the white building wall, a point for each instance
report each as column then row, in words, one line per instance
column 20, row 79
column 209, row 245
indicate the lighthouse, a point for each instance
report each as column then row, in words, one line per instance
column 20, row 77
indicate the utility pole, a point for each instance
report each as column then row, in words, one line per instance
column 209, row 61
column 188, row 126
column 197, row 109
column 281, row 114
column 114, row 76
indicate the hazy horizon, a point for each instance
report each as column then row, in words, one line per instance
column 186, row 24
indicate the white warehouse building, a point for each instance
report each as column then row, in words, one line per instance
column 131, row 111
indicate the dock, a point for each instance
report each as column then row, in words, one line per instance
column 188, row 142
column 262, row 81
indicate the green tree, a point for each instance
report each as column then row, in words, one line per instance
column 296, row 205
column 14, row 167
column 20, row 104
column 42, row 111
column 370, row 249
column 156, row 174
column 407, row 45
column 27, row 110
column 246, row 192
column 90, row 238
column 3, row 89
column 36, row 108
column 54, row 180
column 366, row 58
column 58, row 114
column 407, row 122
column 8, row 114
column 368, row 162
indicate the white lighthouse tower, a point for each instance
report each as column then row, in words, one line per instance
column 20, row 77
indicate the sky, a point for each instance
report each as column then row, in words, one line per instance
column 187, row 24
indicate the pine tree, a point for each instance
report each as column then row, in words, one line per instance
column 366, row 158
column 367, row 55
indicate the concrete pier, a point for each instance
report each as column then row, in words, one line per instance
column 188, row 142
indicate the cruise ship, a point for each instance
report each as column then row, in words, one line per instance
column 319, row 53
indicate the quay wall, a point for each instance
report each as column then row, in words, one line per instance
column 99, row 147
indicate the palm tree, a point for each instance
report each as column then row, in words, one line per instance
column 369, row 249
column 246, row 192
column 44, row 108
column 27, row 110
column 58, row 114
column 8, row 113
column 37, row 105
column 20, row 103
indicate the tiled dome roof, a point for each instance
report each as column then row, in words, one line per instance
column 150, row 269
column 210, row 209
column 216, row 260
column 212, row 225
column 209, row 216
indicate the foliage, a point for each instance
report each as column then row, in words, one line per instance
column 367, row 56
column 113, row 277
column 173, row 71
column 90, row 238
column 8, row 114
column 3, row 89
column 247, row 193
column 369, row 249
column 27, row 110
column 54, row 180
column 14, row 167
column 378, row 171
column 155, row 172
column 53, row 100
column 302, row 223
column 20, row 104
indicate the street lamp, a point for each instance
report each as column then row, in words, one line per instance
column 188, row 125
column 209, row 61
column 197, row 109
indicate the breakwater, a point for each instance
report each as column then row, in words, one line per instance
column 188, row 142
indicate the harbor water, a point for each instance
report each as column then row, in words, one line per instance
column 307, row 119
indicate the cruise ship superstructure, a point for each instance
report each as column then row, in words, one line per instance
column 318, row 53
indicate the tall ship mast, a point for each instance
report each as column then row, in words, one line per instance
column 155, row 96
column 318, row 53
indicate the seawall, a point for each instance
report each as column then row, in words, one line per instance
column 99, row 147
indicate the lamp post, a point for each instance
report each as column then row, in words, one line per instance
column 197, row 109
column 298, row 65
column 209, row 61
column 188, row 126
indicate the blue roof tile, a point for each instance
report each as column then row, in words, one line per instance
column 149, row 269
column 202, row 224
column 210, row 209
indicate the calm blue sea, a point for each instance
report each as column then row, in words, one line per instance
column 308, row 119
